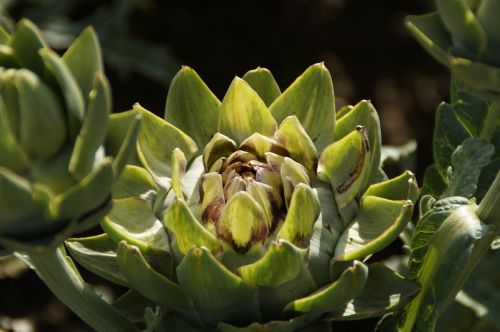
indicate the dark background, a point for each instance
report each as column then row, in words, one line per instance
column 363, row 42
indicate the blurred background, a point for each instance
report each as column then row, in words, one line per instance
column 363, row 43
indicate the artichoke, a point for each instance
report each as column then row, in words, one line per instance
column 55, row 176
column 464, row 35
column 228, row 221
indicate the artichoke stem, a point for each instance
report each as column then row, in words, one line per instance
column 490, row 122
column 59, row 274
column 489, row 209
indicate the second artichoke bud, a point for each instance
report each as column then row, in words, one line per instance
column 55, row 175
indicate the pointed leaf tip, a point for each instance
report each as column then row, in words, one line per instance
column 243, row 113
column 311, row 99
column 263, row 82
column 192, row 107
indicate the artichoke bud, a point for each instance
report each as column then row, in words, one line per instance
column 346, row 174
column 41, row 116
column 255, row 214
column 53, row 119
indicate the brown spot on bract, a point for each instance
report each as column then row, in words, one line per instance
column 212, row 212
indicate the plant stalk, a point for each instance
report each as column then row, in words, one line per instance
column 490, row 122
column 60, row 275
column 489, row 209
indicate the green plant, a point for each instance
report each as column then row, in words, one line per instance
column 459, row 211
column 262, row 218
column 55, row 175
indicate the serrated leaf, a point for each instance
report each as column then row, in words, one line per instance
column 466, row 164
column 426, row 228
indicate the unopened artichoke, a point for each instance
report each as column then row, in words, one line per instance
column 256, row 213
column 55, row 177
column 464, row 35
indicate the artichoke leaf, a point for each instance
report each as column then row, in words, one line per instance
column 134, row 181
column 41, row 116
column 243, row 113
column 292, row 174
column 384, row 291
column 364, row 114
column 333, row 296
column 75, row 103
column 187, row 230
column 127, row 151
column 85, row 196
column 401, row 187
column 311, row 99
column 344, row 165
column 98, row 255
column 190, row 182
column 93, row 131
column 4, row 36
column 218, row 147
column 151, row 284
column 299, row 324
column 12, row 156
column 294, row 138
column 132, row 220
column 21, row 203
column 281, row 263
column 211, row 197
column 84, row 60
column 262, row 81
column 243, row 222
column 157, row 139
column 302, row 214
column 179, row 164
column 26, row 41
column 219, row 294
column 326, row 231
column 132, row 305
column 258, row 145
column 192, row 107
column 378, row 223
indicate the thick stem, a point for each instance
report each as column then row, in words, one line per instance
column 60, row 275
column 490, row 122
column 489, row 209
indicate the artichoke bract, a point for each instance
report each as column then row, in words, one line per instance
column 55, row 176
column 464, row 35
column 255, row 213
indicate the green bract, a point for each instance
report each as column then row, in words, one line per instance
column 256, row 213
column 464, row 35
column 55, row 177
